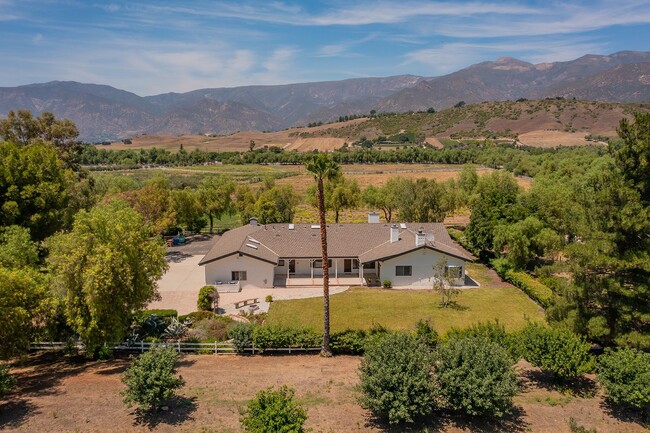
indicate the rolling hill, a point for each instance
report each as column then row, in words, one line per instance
column 105, row 113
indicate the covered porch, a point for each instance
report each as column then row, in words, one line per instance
column 343, row 271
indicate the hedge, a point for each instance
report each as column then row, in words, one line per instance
column 275, row 337
column 160, row 313
column 535, row 290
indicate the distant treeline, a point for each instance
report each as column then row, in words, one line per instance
column 527, row 161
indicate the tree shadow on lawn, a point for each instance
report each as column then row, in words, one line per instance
column 180, row 410
column 440, row 421
column 626, row 414
column 583, row 387
column 14, row 412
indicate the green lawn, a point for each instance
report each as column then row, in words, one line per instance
column 361, row 307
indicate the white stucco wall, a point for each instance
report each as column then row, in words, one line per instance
column 258, row 273
column 422, row 262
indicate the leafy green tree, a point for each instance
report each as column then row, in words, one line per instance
column 34, row 189
column 107, row 259
column 633, row 155
column 16, row 248
column 494, row 202
column 397, row 382
column 244, row 202
column 556, row 350
column 625, row 376
column 421, row 201
column 277, row 203
column 22, row 129
column 188, row 209
column 476, row 376
column 468, row 179
column 25, row 305
column 274, row 411
column 385, row 197
column 153, row 201
column 525, row 241
column 323, row 168
column 151, row 378
column 340, row 193
column 215, row 197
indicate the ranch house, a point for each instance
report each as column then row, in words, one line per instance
column 285, row 255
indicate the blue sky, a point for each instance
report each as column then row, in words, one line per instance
column 151, row 47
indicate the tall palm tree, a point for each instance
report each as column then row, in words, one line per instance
column 322, row 167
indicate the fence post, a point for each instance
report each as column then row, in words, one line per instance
column 142, row 347
column 178, row 346
column 216, row 350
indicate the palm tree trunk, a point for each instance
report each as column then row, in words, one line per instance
column 325, row 351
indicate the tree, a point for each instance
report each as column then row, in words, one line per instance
column 251, row 145
column 525, row 240
column 625, row 376
column 107, row 260
column 476, row 376
column 421, row 201
column 278, row 203
column 633, row 155
column 397, row 380
column 385, row 197
column 16, row 248
column 22, row 128
column 188, row 209
column 340, row 193
column 208, row 298
column 215, row 197
column 274, row 411
column 151, row 378
column 7, row 381
column 556, row 350
column 323, row 168
column 494, row 202
column 442, row 284
column 34, row 189
column 26, row 305
column 153, row 201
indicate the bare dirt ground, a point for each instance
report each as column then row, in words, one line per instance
column 542, row 138
column 288, row 139
column 59, row 394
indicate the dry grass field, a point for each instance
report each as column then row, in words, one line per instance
column 60, row 394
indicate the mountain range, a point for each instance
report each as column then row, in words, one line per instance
column 105, row 113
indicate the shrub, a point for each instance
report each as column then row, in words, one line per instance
column 476, row 376
column 396, row 378
column 241, row 335
column 7, row 381
column 273, row 337
column 427, row 334
column 212, row 329
column 558, row 351
column 535, row 290
column 151, row 379
column 274, row 411
column 197, row 316
column 208, row 297
column 268, row 298
column 491, row 331
column 348, row 342
column 625, row 376
column 387, row 284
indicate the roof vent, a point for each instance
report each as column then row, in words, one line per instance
column 253, row 246
column 253, row 221
column 373, row 218
column 402, row 226
column 292, row 227
column 315, row 226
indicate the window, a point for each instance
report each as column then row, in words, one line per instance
column 319, row 263
column 454, row 272
column 281, row 263
column 239, row 275
column 403, row 271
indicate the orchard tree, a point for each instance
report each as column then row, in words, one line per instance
column 215, row 196
column 385, row 197
column 153, row 201
column 16, row 248
column 106, row 269
column 188, row 209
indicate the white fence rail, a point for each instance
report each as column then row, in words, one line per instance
column 217, row 348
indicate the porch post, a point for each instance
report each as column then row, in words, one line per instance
column 311, row 268
column 288, row 267
column 360, row 270
column 336, row 268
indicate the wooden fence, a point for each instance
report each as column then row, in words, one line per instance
column 217, row 348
